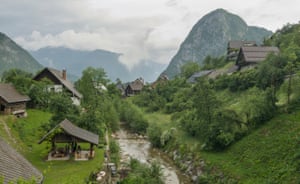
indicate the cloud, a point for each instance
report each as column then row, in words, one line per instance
column 140, row 30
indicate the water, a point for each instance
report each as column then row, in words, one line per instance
column 140, row 149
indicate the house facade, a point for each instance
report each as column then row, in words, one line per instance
column 134, row 87
column 11, row 101
column 60, row 83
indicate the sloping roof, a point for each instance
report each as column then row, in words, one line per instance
column 9, row 93
column 136, row 85
column 75, row 131
column 237, row 44
column 59, row 76
column 257, row 54
column 195, row 76
column 14, row 166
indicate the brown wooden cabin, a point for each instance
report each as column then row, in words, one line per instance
column 11, row 101
column 250, row 56
column 234, row 46
column 60, row 82
column 13, row 166
column 67, row 132
column 134, row 87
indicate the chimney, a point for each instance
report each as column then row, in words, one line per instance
column 64, row 74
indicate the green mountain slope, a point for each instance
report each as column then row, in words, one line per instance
column 210, row 37
column 14, row 56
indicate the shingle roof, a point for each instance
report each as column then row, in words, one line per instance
column 58, row 74
column 14, row 166
column 9, row 93
column 257, row 54
column 136, row 85
column 75, row 131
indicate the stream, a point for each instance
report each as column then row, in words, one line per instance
column 140, row 149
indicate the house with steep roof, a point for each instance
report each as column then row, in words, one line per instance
column 11, row 101
column 60, row 83
column 250, row 56
column 13, row 166
column 134, row 87
column 234, row 46
column 72, row 135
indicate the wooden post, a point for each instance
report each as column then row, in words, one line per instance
column 91, row 150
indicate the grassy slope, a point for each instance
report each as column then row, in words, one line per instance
column 264, row 156
column 28, row 131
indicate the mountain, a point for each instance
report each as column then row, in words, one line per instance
column 75, row 61
column 210, row 36
column 14, row 56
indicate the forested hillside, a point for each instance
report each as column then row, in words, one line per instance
column 227, row 115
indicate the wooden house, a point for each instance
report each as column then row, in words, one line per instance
column 67, row 132
column 250, row 56
column 234, row 46
column 11, row 101
column 13, row 166
column 60, row 83
column 134, row 87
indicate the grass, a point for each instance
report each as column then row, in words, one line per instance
column 28, row 131
column 267, row 155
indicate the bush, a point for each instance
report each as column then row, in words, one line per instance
column 134, row 117
column 154, row 132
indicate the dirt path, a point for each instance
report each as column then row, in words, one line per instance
column 7, row 130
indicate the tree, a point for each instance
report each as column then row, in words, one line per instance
column 91, row 84
column 189, row 69
column 206, row 105
column 271, row 74
column 22, row 80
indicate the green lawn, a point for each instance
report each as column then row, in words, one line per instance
column 28, row 131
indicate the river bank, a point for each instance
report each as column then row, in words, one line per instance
column 138, row 147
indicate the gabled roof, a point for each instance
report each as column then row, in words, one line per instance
column 14, row 166
column 59, row 76
column 75, row 131
column 9, row 93
column 136, row 85
column 256, row 54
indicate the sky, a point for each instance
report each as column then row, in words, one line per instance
column 142, row 30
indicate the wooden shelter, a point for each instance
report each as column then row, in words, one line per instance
column 14, row 166
column 66, row 132
column 11, row 101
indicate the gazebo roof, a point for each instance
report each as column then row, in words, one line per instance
column 75, row 131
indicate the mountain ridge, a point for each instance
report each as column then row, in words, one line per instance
column 210, row 35
column 75, row 61
column 14, row 56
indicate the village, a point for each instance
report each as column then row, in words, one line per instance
column 68, row 141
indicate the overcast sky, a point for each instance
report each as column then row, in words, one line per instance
column 140, row 29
